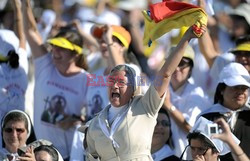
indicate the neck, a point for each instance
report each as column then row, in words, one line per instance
column 177, row 85
column 156, row 147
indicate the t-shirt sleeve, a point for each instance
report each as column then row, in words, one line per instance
column 42, row 63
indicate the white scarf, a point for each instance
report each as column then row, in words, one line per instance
column 116, row 123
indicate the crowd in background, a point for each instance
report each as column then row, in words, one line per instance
column 56, row 55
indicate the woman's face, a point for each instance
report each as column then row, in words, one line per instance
column 201, row 153
column 181, row 74
column 118, row 89
column 62, row 57
column 42, row 156
column 104, row 47
column 14, row 135
column 235, row 97
column 161, row 131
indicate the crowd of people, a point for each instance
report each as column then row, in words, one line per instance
column 78, row 83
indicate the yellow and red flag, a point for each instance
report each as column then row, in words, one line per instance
column 167, row 15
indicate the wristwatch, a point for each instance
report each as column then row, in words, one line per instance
column 172, row 108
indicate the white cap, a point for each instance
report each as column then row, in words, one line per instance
column 201, row 126
column 234, row 74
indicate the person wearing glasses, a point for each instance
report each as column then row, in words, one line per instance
column 185, row 100
column 162, row 144
column 17, row 131
column 123, row 130
column 208, row 146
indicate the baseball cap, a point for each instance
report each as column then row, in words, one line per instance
column 188, row 53
column 118, row 31
column 234, row 74
column 241, row 47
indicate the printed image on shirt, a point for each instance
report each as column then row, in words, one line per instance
column 54, row 109
column 96, row 104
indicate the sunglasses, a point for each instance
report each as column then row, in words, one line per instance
column 18, row 130
column 199, row 150
column 163, row 123
column 184, row 63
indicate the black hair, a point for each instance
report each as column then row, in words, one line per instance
column 206, row 142
column 49, row 149
column 242, row 39
column 218, row 96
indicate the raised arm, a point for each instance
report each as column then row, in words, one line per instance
column 18, row 18
column 207, row 49
column 115, row 56
column 226, row 136
column 31, row 32
column 175, row 113
column 164, row 75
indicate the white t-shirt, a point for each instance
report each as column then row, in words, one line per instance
column 97, row 95
column 55, row 96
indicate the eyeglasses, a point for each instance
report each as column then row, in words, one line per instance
column 18, row 130
column 163, row 123
column 185, row 62
column 199, row 150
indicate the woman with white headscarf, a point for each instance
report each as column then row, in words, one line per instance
column 17, row 131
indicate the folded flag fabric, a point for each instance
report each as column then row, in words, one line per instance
column 167, row 15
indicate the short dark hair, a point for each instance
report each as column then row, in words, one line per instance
column 49, row 149
column 218, row 96
column 206, row 142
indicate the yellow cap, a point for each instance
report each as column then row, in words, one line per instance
column 188, row 53
column 242, row 47
column 64, row 43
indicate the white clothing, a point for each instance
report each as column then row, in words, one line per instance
column 3, row 155
column 77, row 150
column 220, row 62
column 164, row 152
column 190, row 101
column 97, row 96
column 56, row 96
